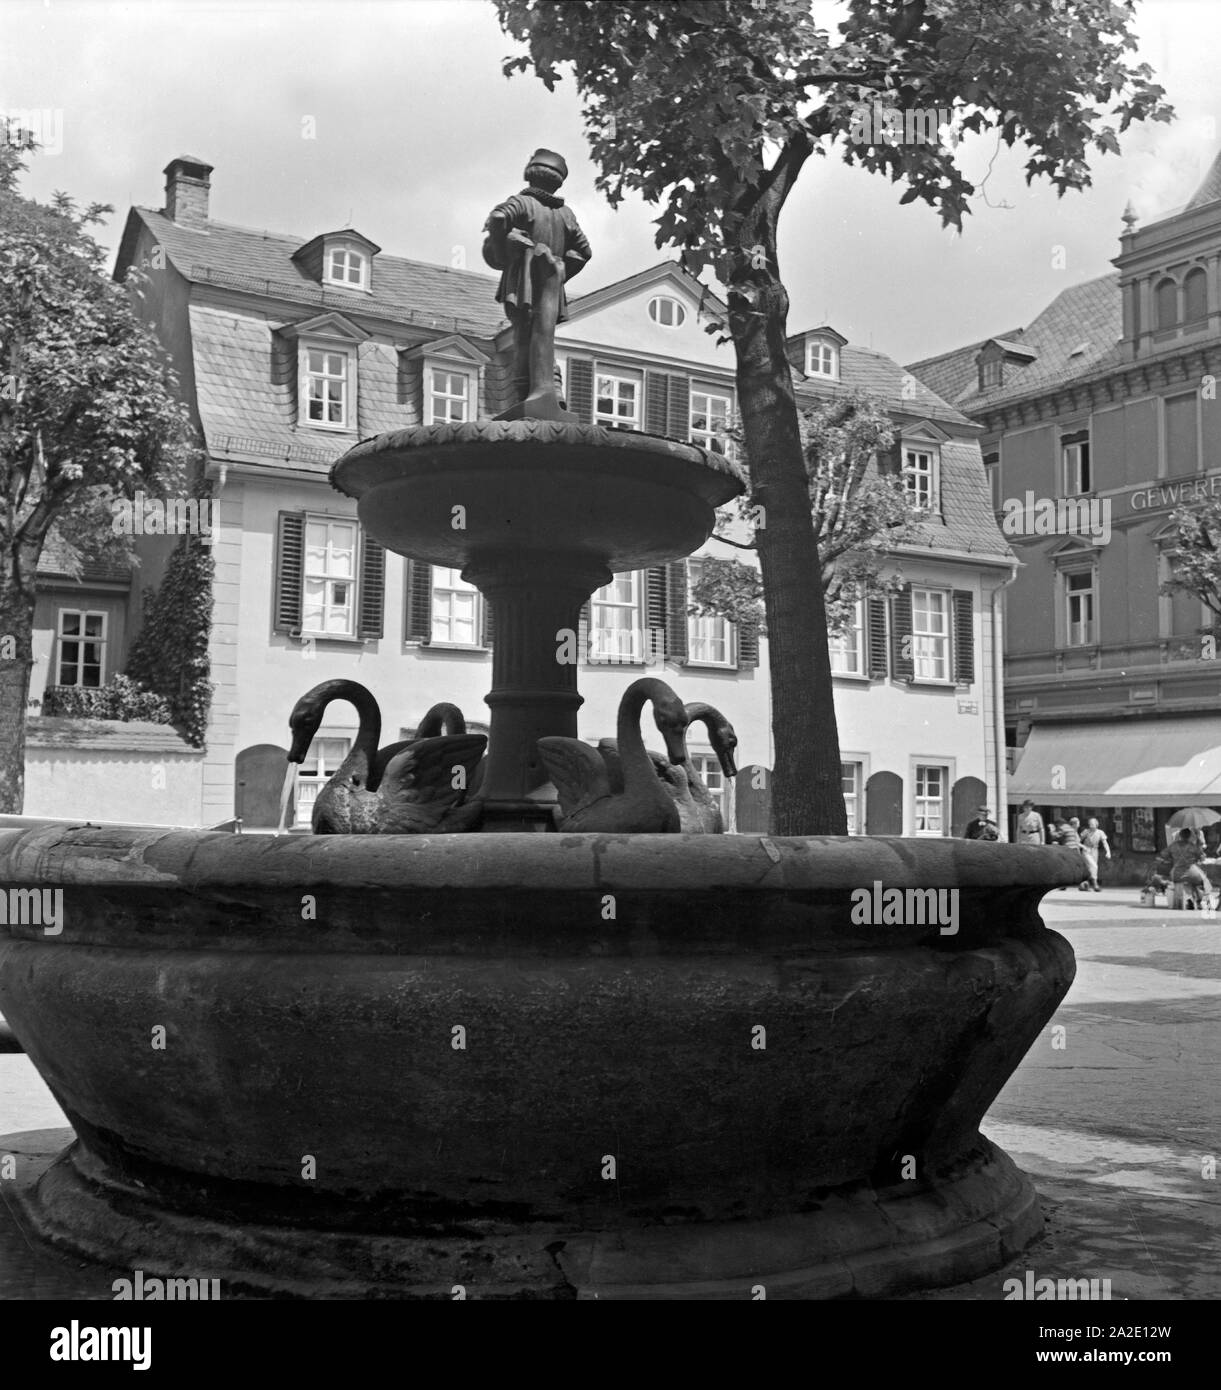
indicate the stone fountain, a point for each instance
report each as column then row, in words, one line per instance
column 529, row 1064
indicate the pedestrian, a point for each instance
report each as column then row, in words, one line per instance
column 1185, row 856
column 1031, row 830
column 983, row 827
column 1066, row 835
column 1094, row 840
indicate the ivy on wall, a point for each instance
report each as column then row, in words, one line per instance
column 170, row 656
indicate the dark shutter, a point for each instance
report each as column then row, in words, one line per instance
column 583, row 632
column 656, row 398
column 890, row 461
column 964, row 636
column 290, row 571
column 581, row 389
column 902, row 658
column 875, row 618
column 679, row 408
column 748, row 646
column 656, row 583
column 489, row 622
column 372, row 594
column 676, row 610
column 419, row 601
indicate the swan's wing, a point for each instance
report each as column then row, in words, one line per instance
column 383, row 758
column 578, row 771
column 609, row 749
column 427, row 771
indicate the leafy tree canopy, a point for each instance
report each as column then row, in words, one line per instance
column 684, row 102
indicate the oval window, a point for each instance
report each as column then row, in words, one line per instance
column 667, row 312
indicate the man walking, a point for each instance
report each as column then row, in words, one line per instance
column 1093, row 840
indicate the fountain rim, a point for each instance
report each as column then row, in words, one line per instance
column 381, row 459
column 76, row 856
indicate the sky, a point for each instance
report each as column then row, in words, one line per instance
column 393, row 117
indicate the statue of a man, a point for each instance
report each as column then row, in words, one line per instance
column 536, row 244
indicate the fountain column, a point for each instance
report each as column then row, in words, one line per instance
column 534, row 673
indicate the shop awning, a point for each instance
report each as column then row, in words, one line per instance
column 1121, row 762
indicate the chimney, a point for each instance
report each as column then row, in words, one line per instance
column 186, row 191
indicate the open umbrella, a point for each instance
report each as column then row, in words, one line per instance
column 1193, row 817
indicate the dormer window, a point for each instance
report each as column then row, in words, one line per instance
column 347, row 267
column 341, row 260
column 666, row 311
column 992, row 356
column 328, row 349
column 921, row 468
column 822, row 358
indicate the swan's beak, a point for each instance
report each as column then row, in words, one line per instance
column 728, row 766
column 676, row 745
column 300, row 746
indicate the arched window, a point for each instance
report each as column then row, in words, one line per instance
column 1166, row 304
column 1195, row 296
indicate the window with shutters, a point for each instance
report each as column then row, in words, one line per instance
column 329, row 578
column 617, row 402
column 711, row 418
column 456, row 619
column 931, row 786
column 930, row 634
column 616, row 620
column 328, row 596
column 326, row 387
column 710, row 637
column 847, row 647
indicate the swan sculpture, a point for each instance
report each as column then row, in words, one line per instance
column 699, row 810
column 422, row 792
column 349, row 803
column 582, row 779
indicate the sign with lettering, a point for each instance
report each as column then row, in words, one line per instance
column 1168, row 495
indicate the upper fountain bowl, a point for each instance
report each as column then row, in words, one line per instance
column 449, row 493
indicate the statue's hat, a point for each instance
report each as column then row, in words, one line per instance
column 549, row 160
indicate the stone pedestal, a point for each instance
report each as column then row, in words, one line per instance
column 534, row 674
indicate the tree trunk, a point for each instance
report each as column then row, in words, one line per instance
column 807, row 787
column 17, row 624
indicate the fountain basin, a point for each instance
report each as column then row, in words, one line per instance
column 534, row 489
column 609, row 1121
